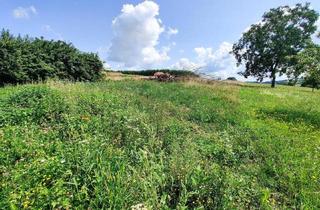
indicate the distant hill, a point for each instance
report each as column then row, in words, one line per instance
column 279, row 82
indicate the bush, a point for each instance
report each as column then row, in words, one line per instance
column 310, row 82
column 26, row 60
column 232, row 79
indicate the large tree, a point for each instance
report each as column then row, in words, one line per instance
column 266, row 46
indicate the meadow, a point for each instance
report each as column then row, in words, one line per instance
column 149, row 145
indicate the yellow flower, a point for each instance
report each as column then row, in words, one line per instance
column 85, row 118
column 26, row 204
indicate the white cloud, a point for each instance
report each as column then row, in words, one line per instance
column 172, row 31
column 167, row 49
column 185, row 64
column 106, row 65
column 24, row 12
column 50, row 30
column 136, row 35
column 315, row 37
column 218, row 63
column 318, row 24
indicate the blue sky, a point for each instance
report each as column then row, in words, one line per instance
column 152, row 34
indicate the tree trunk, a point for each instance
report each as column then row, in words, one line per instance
column 273, row 83
column 273, row 75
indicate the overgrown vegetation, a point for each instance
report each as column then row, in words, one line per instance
column 188, row 144
column 24, row 59
column 163, row 145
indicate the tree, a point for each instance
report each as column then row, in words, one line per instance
column 232, row 78
column 265, row 47
column 308, row 61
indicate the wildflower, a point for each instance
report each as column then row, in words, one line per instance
column 85, row 118
column 26, row 204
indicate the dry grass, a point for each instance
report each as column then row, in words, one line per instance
column 117, row 76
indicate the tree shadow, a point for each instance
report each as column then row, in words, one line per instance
column 293, row 116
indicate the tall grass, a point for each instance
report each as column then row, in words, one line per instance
column 162, row 146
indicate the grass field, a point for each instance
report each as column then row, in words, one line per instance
column 119, row 144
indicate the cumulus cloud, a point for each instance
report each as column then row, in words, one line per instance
column 24, row 12
column 136, row 34
column 185, row 64
column 217, row 63
column 167, row 49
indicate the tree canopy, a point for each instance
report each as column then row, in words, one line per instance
column 25, row 59
column 283, row 32
column 308, row 63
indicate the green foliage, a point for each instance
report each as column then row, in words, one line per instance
column 114, row 145
column 283, row 32
column 308, row 62
column 27, row 60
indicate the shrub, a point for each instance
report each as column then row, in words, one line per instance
column 25, row 60
column 232, row 79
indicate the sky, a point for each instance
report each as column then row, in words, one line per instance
column 137, row 34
